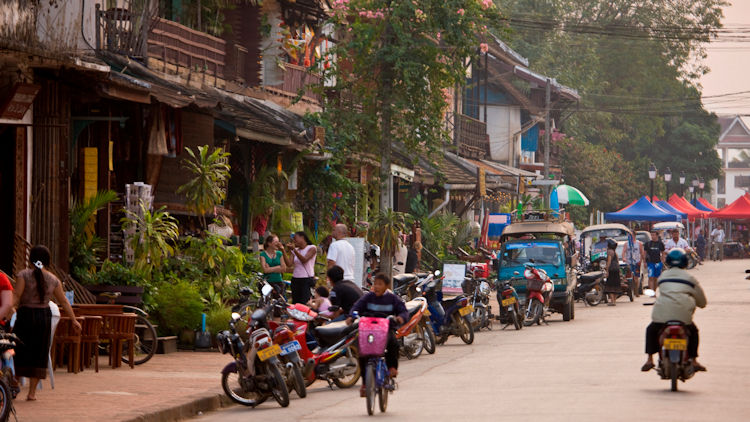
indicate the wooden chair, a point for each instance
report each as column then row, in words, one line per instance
column 90, row 341
column 117, row 329
column 65, row 335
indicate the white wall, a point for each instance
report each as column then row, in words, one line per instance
column 61, row 26
column 502, row 123
column 732, row 193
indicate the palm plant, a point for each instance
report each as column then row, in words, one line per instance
column 386, row 232
column 153, row 234
column 264, row 190
column 85, row 245
column 210, row 173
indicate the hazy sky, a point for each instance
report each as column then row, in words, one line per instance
column 730, row 65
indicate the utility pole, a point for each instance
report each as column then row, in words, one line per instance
column 547, row 130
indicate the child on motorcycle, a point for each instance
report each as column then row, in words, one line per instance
column 679, row 294
column 381, row 303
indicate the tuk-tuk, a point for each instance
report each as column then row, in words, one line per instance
column 542, row 243
column 594, row 251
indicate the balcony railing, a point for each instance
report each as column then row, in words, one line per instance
column 471, row 137
column 296, row 79
column 180, row 46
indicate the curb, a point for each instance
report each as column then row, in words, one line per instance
column 185, row 410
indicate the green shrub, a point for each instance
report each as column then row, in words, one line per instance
column 217, row 319
column 116, row 274
column 179, row 306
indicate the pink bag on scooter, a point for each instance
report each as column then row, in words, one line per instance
column 373, row 336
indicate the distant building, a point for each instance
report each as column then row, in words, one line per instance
column 734, row 152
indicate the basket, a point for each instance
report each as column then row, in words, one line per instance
column 373, row 336
column 537, row 285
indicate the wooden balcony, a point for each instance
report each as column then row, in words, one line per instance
column 296, row 79
column 472, row 138
column 177, row 46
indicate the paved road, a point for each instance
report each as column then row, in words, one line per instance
column 584, row 370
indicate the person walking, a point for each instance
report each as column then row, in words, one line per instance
column 654, row 258
column 634, row 254
column 717, row 241
column 34, row 289
column 341, row 252
column 613, row 285
column 300, row 255
column 272, row 263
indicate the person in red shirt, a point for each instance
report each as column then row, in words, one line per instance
column 6, row 297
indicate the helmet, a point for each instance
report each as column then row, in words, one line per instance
column 677, row 258
column 611, row 244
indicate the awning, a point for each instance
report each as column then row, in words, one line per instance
column 511, row 171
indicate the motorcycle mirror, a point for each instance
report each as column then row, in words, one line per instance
column 516, row 273
column 437, row 273
column 266, row 290
column 235, row 316
column 649, row 292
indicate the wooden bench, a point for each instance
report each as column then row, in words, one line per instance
column 129, row 295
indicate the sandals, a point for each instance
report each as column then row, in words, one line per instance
column 647, row 366
column 698, row 367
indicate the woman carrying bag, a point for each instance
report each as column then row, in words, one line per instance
column 301, row 254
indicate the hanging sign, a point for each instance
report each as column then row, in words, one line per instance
column 19, row 102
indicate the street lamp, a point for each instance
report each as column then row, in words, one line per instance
column 682, row 183
column 652, row 176
column 667, row 179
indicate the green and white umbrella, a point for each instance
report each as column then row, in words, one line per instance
column 569, row 195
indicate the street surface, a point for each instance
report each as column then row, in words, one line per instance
column 584, row 370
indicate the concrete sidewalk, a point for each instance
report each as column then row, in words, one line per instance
column 166, row 388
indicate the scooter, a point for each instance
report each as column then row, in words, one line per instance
column 509, row 304
column 479, row 289
column 589, row 288
column 448, row 317
column 329, row 352
column 538, row 292
column 415, row 336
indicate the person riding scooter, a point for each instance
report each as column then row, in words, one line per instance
column 679, row 294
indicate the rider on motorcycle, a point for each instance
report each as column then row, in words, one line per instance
column 679, row 294
column 380, row 302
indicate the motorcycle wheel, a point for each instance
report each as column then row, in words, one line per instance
column 414, row 352
column 516, row 320
column 673, row 375
column 370, row 388
column 6, row 399
column 429, row 338
column 465, row 328
column 232, row 388
column 534, row 313
column 352, row 355
column 383, row 399
column 479, row 318
column 278, row 387
column 299, row 382
column 595, row 296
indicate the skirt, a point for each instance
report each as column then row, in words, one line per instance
column 613, row 282
column 301, row 289
column 33, row 327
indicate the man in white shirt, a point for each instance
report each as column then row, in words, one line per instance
column 341, row 252
column 676, row 242
column 717, row 243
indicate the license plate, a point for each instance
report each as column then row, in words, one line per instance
column 509, row 301
column 290, row 347
column 466, row 310
column 675, row 344
column 269, row 352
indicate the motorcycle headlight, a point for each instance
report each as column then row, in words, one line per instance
column 484, row 288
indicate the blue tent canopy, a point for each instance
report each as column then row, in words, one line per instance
column 670, row 209
column 641, row 210
column 698, row 204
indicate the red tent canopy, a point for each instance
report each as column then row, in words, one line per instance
column 737, row 210
column 683, row 205
column 707, row 204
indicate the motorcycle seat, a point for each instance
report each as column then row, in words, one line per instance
column 413, row 306
column 402, row 279
column 591, row 276
column 333, row 332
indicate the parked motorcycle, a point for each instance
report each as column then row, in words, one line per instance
column 448, row 317
column 255, row 373
column 539, row 289
column 329, row 352
column 479, row 289
column 8, row 387
column 509, row 305
column 590, row 287
column 415, row 336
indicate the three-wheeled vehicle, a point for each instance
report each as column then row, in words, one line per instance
column 594, row 253
column 539, row 239
column 665, row 229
